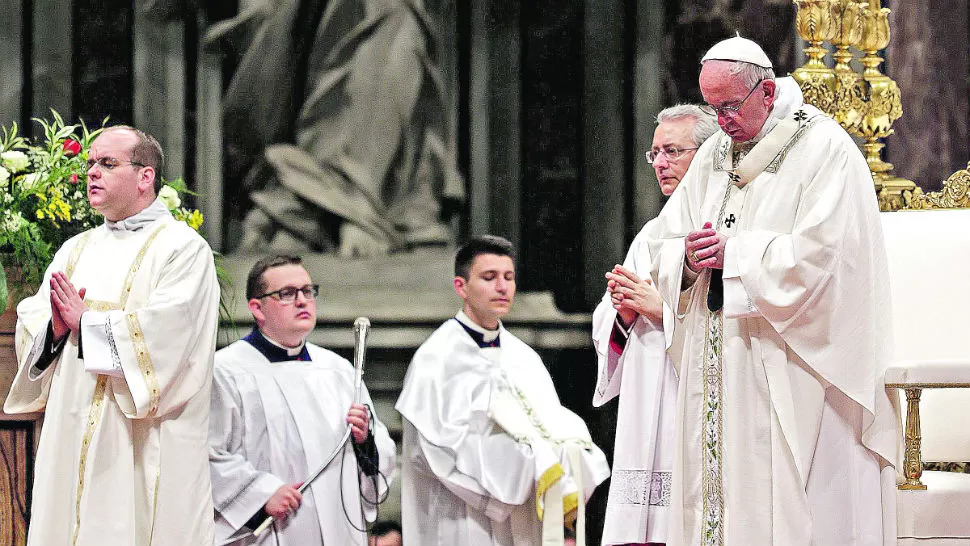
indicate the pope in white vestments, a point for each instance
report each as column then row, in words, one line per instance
column 122, row 455
column 772, row 251
column 487, row 444
column 632, row 356
column 279, row 408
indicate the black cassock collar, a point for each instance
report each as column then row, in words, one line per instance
column 271, row 351
column 479, row 337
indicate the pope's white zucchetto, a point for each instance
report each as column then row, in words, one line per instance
column 738, row 49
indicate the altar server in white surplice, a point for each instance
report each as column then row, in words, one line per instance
column 280, row 405
column 772, row 250
column 487, row 445
column 122, row 366
column 633, row 360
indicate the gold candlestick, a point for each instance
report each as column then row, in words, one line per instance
column 850, row 90
column 817, row 81
column 883, row 107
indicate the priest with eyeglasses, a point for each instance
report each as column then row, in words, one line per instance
column 635, row 356
column 771, row 252
column 116, row 348
column 280, row 406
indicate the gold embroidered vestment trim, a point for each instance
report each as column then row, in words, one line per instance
column 96, row 410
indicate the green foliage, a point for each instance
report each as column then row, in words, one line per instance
column 43, row 196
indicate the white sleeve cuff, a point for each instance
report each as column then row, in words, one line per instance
column 731, row 269
column 100, row 353
column 249, row 501
column 737, row 302
column 36, row 350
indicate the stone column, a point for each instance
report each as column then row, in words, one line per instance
column 52, row 59
column 927, row 56
column 606, row 146
column 11, row 62
column 648, row 101
column 160, row 86
column 208, row 143
column 495, row 119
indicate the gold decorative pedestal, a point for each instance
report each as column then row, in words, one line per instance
column 864, row 104
column 913, row 463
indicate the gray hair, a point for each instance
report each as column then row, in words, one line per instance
column 750, row 74
column 705, row 124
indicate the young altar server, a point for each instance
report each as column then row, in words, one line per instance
column 280, row 405
column 490, row 455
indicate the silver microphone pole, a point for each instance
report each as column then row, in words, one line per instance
column 361, row 329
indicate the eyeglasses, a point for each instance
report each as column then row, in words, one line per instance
column 729, row 109
column 287, row 294
column 110, row 163
column 672, row 153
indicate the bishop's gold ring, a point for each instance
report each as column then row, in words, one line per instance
column 693, row 255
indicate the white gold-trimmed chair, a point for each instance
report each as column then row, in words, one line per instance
column 929, row 262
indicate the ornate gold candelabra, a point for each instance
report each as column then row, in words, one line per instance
column 850, row 89
column 865, row 104
column 883, row 108
column 815, row 25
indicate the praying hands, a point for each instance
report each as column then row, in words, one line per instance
column 705, row 249
column 632, row 296
column 67, row 305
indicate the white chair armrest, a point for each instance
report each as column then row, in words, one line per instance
column 929, row 374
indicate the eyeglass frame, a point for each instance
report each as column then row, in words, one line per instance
column 670, row 157
column 277, row 295
column 730, row 109
column 100, row 162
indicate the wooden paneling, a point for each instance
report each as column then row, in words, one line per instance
column 18, row 438
column 16, row 462
column 16, row 448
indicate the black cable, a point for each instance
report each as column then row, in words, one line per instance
column 360, row 488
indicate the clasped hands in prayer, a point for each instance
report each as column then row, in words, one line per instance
column 705, row 249
column 633, row 296
column 67, row 306
column 287, row 498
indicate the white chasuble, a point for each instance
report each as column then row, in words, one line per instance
column 466, row 479
column 785, row 434
column 274, row 422
column 642, row 375
column 122, row 456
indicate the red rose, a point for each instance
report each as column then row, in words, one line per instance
column 71, row 147
column 74, row 179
